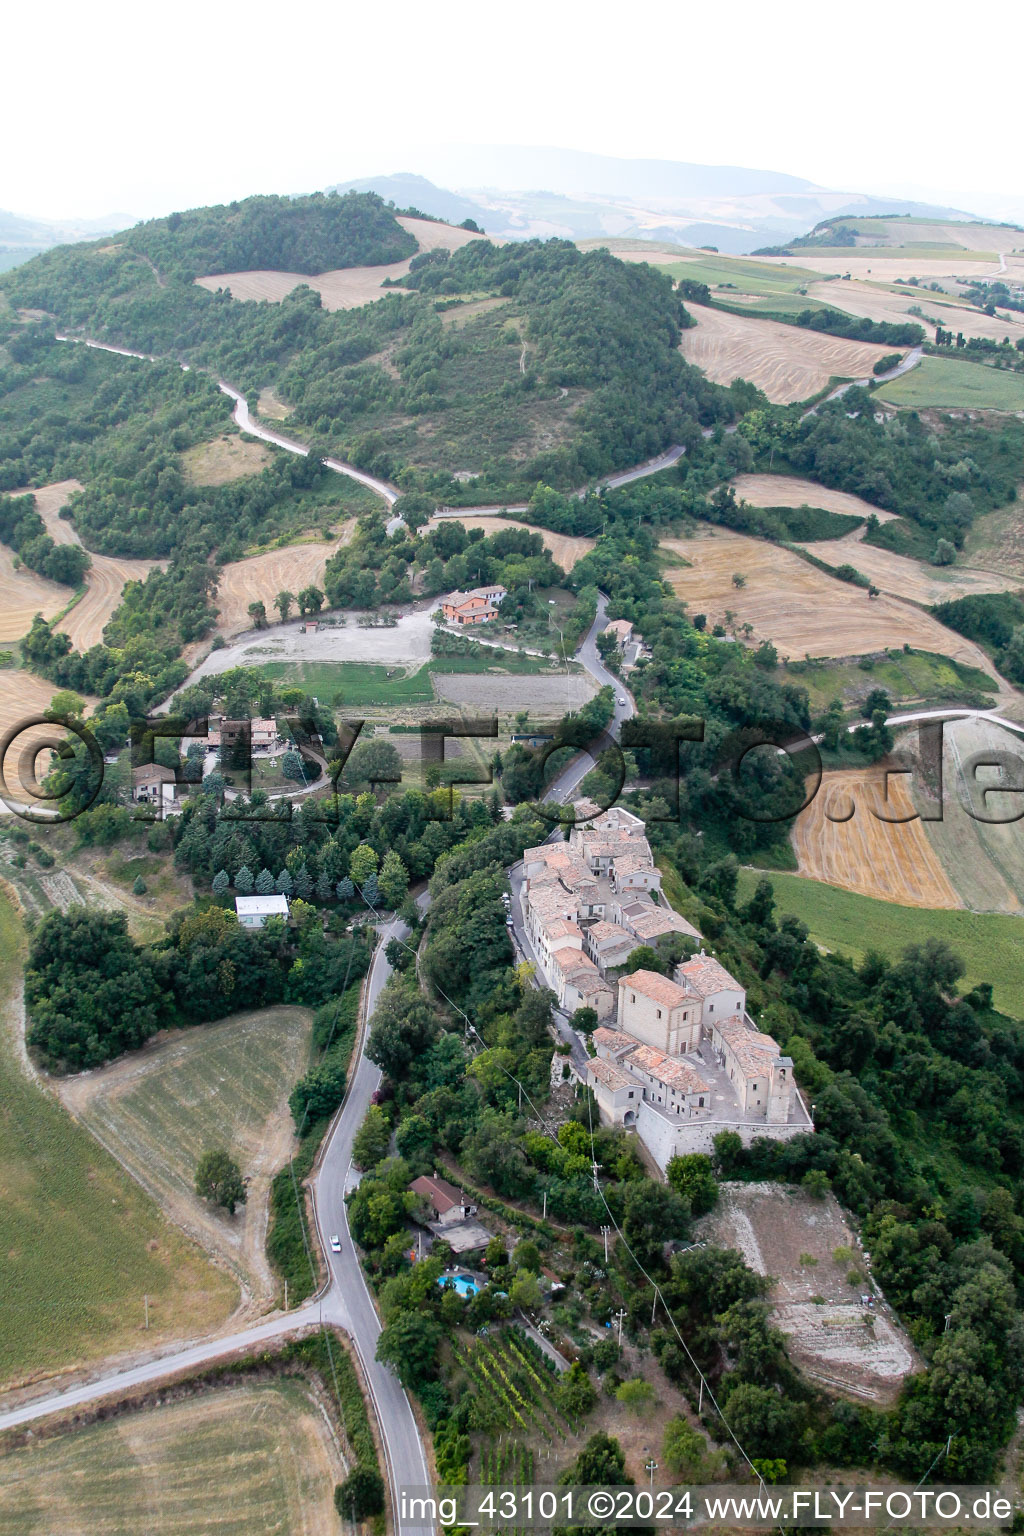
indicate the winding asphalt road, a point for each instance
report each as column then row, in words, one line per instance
column 344, row 1301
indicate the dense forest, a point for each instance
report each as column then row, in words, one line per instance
column 309, row 234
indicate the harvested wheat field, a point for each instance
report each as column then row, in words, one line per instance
column 565, row 550
column 873, row 303
column 23, row 594
column 226, row 458
column 890, row 268
column 23, row 695
column 791, row 491
column 347, row 287
column 238, row 1459
column 262, row 577
column 104, row 581
column 803, row 611
column 892, row 861
column 905, row 577
column 787, row 362
column 156, row 1110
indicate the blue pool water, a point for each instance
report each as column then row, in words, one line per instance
column 462, row 1283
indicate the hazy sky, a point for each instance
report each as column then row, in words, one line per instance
column 141, row 108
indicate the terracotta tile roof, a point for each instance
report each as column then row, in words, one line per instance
column 442, row 1195
column 611, row 932
column 609, row 1074
column 671, row 1070
column 653, row 921
column 613, row 1039
column 570, row 960
column 707, row 976
column 563, row 928
column 658, row 988
column 635, row 859
column 589, row 982
column 753, row 1052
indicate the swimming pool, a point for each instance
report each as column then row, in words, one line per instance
column 464, row 1284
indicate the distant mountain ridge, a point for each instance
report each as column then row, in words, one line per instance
column 516, row 193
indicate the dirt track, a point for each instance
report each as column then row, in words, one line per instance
column 891, row 861
column 787, row 362
column 263, row 576
column 347, row 287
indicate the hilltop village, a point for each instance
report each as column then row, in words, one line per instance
column 678, row 1058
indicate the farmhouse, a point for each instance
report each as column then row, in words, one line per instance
column 253, row 911
column 477, row 606
column 445, row 1203
column 153, row 784
column 622, row 630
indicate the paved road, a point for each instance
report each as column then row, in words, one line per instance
column 406, row 1462
column 299, row 1321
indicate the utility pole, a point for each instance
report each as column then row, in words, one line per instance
column 700, row 1398
column 621, row 1314
column 604, row 1233
column 545, row 1214
column 652, row 1467
column 145, row 1303
column 286, row 1295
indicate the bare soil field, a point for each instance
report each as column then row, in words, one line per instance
column 263, row 576
column 565, row 549
column 870, row 302
column 546, row 697
column 104, row 581
column 803, row 611
column 791, row 491
column 237, row 1460
column 818, row 1276
column 224, row 1084
column 226, row 458
column 787, row 362
column 984, row 861
column 892, row 861
column 347, row 287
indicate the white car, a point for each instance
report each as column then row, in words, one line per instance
column 621, row 699
column 335, row 1243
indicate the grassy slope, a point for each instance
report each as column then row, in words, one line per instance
column 80, row 1244
column 989, row 944
column 948, row 384
column 237, row 1460
column 907, row 678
